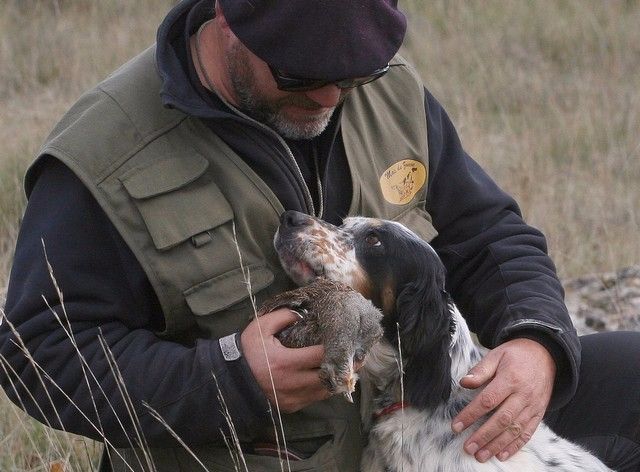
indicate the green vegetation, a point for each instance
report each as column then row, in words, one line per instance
column 546, row 96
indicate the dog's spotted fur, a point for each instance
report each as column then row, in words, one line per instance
column 404, row 277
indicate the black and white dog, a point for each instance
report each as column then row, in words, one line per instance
column 409, row 416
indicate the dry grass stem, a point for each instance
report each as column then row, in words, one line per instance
column 131, row 411
column 278, row 434
column 401, row 371
column 86, row 370
column 88, row 373
column 42, row 375
column 176, row 436
column 235, row 449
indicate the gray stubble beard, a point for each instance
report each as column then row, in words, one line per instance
column 270, row 112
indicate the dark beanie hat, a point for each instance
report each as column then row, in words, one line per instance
column 319, row 39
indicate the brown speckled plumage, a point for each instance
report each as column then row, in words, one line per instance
column 339, row 318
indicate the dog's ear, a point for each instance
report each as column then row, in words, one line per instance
column 425, row 326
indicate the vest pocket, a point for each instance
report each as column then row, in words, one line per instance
column 322, row 460
column 227, row 289
column 177, row 201
column 219, row 460
column 185, row 229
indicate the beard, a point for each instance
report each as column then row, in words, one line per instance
column 271, row 111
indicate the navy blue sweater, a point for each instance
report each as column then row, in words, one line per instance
column 498, row 273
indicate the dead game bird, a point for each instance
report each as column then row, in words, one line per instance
column 339, row 318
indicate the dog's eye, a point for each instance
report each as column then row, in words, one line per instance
column 373, row 240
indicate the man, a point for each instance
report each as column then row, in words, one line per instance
column 155, row 183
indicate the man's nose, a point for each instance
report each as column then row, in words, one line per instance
column 327, row 96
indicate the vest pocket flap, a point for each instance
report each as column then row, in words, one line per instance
column 227, row 289
column 164, row 176
column 183, row 214
column 418, row 221
column 177, row 201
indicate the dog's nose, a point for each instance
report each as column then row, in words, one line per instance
column 292, row 218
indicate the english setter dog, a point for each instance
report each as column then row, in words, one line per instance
column 409, row 416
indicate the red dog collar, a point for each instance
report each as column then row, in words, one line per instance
column 390, row 409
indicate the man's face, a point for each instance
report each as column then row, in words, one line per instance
column 294, row 115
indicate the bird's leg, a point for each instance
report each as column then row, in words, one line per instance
column 350, row 382
column 350, row 379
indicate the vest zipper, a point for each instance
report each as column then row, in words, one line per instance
column 298, row 173
column 310, row 207
column 316, row 165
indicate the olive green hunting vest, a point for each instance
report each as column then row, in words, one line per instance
column 200, row 221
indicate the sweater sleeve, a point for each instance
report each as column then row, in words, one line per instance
column 95, row 366
column 499, row 272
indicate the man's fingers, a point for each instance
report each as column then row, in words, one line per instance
column 275, row 321
column 294, row 372
column 271, row 323
column 487, row 400
column 521, row 440
column 512, row 402
column 515, row 434
column 482, row 372
column 292, row 398
column 306, row 384
column 309, row 357
column 289, row 360
column 506, row 418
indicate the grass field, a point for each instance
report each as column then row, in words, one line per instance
column 545, row 95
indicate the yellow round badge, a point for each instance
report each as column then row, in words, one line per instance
column 401, row 181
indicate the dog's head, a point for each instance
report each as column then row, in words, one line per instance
column 398, row 271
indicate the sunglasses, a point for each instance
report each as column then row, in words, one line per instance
column 291, row 83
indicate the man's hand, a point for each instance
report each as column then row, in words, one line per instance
column 294, row 371
column 518, row 379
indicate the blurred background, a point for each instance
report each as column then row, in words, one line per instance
column 545, row 95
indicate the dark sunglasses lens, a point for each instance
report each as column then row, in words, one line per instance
column 301, row 85
column 288, row 83
column 359, row 81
